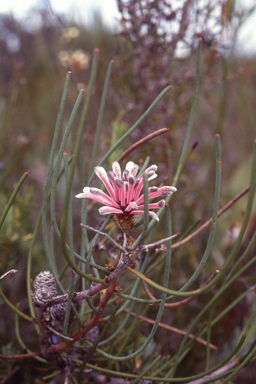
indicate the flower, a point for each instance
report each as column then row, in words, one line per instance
column 78, row 59
column 69, row 34
column 124, row 191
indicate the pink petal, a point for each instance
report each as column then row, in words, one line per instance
column 125, row 175
column 141, row 198
column 131, row 182
column 117, row 169
column 159, row 204
column 138, row 188
column 151, row 214
column 123, row 193
column 131, row 206
column 134, row 170
column 112, row 178
column 102, row 175
column 120, row 186
column 98, row 195
column 151, row 175
column 107, row 210
column 163, row 191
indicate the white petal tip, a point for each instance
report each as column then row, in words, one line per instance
column 80, row 196
column 168, row 190
column 109, row 210
column 99, row 171
column 86, row 190
column 153, row 215
column 103, row 212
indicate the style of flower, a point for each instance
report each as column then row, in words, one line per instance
column 124, row 191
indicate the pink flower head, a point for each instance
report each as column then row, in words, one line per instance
column 124, row 191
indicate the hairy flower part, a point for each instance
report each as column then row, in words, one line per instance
column 125, row 195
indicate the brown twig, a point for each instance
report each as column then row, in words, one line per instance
column 94, row 320
column 179, row 303
column 141, row 142
column 207, row 223
column 226, row 368
column 118, row 246
column 146, row 247
column 83, row 295
column 172, row 329
column 112, row 281
column 39, row 369
column 8, row 274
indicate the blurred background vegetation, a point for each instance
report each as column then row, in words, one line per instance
column 153, row 46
